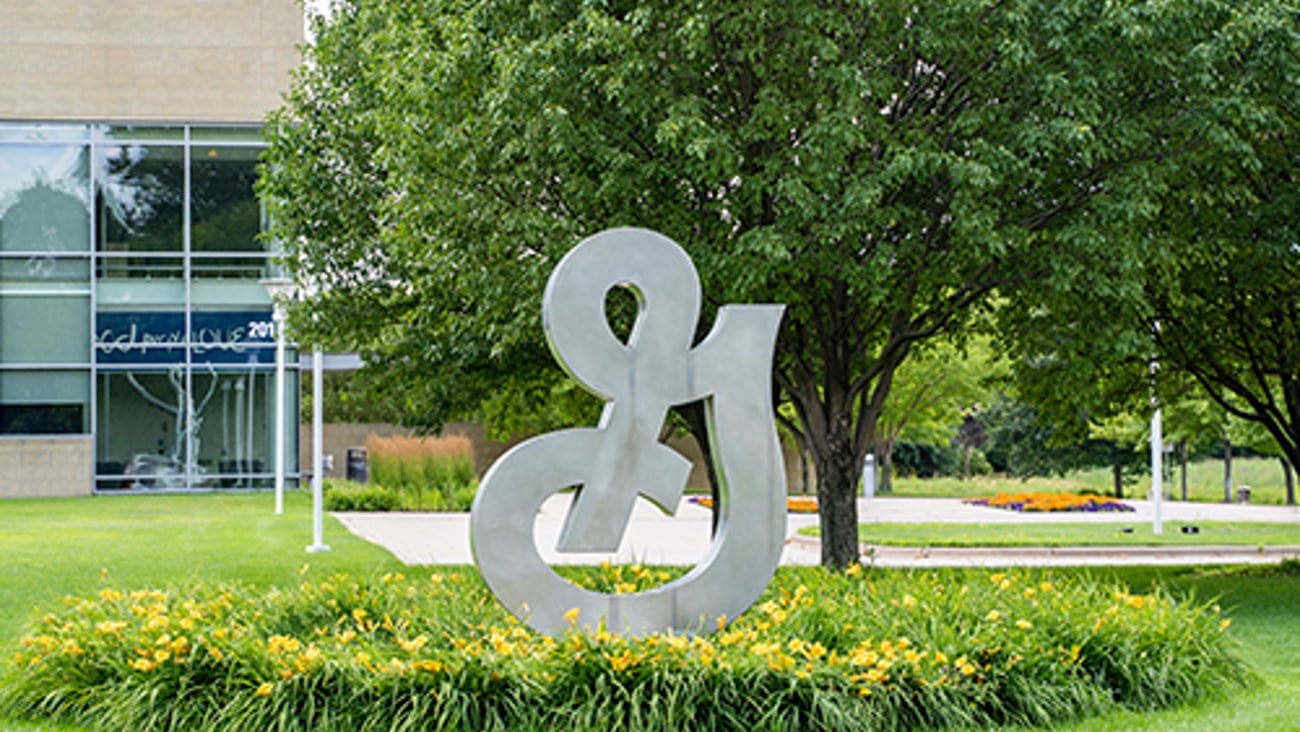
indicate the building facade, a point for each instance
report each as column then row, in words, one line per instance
column 137, row 348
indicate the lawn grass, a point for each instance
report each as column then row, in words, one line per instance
column 1204, row 483
column 1234, row 533
column 53, row 548
column 1267, row 629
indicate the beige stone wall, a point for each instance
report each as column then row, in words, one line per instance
column 146, row 60
column 339, row 437
column 45, row 467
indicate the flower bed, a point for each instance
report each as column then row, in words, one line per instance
column 821, row 650
column 793, row 504
column 1046, row 502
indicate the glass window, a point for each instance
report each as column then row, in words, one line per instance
column 44, row 268
column 43, row 402
column 140, row 428
column 144, row 442
column 208, row 267
column 44, row 193
column 44, row 329
column 140, row 337
column 42, row 419
column 38, row 387
column 236, row 435
column 43, row 132
column 139, row 198
column 141, row 267
column 226, row 134
column 225, row 213
column 130, row 133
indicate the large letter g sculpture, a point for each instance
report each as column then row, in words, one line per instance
column 610, row 464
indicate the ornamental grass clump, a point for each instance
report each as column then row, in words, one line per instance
column 862, row 650
column 425, row 473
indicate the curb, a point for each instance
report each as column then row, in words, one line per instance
column 980, row 556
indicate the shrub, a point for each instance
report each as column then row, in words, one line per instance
column 854, row 651
column 351, row 496
column 925, row 460
column 979, row 463
column 429, row 474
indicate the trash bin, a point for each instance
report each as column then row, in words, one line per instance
column 358, row 467
column 869, row 476
column 1243, row 494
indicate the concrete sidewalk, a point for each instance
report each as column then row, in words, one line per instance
column 683, row 539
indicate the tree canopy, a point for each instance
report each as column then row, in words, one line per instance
column 1213, row 300
column 881, row 167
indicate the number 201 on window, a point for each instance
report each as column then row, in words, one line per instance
column 261, row 329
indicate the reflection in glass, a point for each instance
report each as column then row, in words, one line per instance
column 44, row 198
column 246, row 135
column 43, row 132
column 44, row 268
column 127, row 133
column 245, row 268
column 154, row 433
column 144, row 267
column 42, row 419
column 44, row 402
column 140, row 429
column 40, row 329
column 225, row 215
column 139, row 197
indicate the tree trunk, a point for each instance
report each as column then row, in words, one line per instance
column 1289, row 474
column 698, row 425
column 1117, row 475
column 885, row 469
column 805, row 471
column 838, row 472
column 1227, row 470
column 1182, row 465
column 965, row 462
column 805, row 461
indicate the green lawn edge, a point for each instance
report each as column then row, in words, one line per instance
column 1096, row 534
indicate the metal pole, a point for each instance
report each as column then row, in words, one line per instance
column 278, row 317
column 1157, row 471
column 317, row 459
column 1157, row 444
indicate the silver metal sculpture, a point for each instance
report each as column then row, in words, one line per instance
column 613, row 462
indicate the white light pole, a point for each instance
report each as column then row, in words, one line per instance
column 1157, row 471
column 280, row 289
column 1157, row 448
column 317, row 459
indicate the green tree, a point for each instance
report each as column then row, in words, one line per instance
column 932, row 393
column 1023, row 444
column 1229, row 307
column 1213, row 297
column 879, row 167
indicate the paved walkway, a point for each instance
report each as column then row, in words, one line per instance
column 683, row 539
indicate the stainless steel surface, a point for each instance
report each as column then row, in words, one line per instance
column 621, row 457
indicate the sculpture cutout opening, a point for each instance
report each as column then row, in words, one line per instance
column 611, row 463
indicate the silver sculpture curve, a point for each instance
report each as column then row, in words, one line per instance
column 621, row 457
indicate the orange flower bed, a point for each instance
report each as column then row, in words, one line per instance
column 793, row 504
column 1050, row 502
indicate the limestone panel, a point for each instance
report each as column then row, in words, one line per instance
column 45, row 467
column 146, row 60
